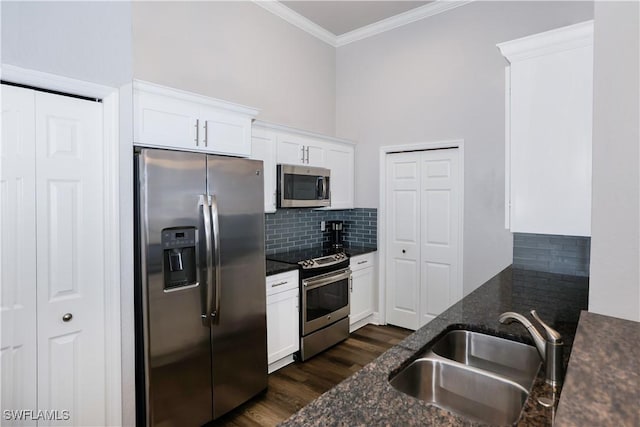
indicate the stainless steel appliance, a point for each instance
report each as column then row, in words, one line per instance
column 303, row 187
column 200, row 293
column 325, row 284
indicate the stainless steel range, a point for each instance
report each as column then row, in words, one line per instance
column 325, row 281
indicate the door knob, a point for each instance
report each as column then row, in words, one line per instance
column 67, row 317
column 404, row 252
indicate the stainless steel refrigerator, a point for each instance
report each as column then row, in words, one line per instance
column 200, row 286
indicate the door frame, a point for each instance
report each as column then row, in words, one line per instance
column 111, row 180
column 382, row 215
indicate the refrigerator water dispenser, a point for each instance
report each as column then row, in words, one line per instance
column 179, row 258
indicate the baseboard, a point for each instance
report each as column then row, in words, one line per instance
column 280, row 363
column 362, row 322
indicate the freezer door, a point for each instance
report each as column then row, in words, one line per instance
column 177, row 342
column 239, row 331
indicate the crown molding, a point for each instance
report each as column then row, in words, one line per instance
column 284, row 128
column 557, row 40
column 219, row 104
column 413, row 15
column 294, row 18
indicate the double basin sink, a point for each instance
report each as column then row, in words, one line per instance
column 478, row 376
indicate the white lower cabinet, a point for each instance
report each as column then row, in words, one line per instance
column 363, row 288
column 283, row 338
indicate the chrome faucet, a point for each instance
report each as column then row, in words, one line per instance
column 550, row 349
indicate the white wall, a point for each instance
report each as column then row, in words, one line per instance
column 437, row 79
column 88, row 41
column 239, row 52
column 614, row 287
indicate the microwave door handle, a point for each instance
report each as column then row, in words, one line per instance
column 215, row 314
column 320, row 188
column 206, row 213
column 325, row 188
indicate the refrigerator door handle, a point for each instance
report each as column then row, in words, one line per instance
column 215, row 314
column 206, row 213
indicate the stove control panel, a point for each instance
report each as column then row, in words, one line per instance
column 323, row 261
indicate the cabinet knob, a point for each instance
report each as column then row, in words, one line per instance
column 67, row 317
column 404, row 252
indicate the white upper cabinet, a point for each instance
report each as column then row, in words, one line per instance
column 297, row 147
column 263, row 147
column 296, row 150
column 549, row 117
column 340, row 159
column 171, row 118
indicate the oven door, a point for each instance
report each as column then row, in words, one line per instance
column 325, row 300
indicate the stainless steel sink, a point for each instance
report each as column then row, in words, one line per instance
column 478, row 376
column 509, row 359
column 467, row 392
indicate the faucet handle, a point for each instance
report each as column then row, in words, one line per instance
column 552, row 335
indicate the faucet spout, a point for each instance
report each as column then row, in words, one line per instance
column 549, row 348
column 538, row 339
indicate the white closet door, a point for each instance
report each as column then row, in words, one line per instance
column 403, row 232
column 17, row 253
column 439, row 232
column 70, row 255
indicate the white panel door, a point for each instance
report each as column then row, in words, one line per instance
column 439, row 232
column 70, row 254
column 403, row 233
column 17, row 253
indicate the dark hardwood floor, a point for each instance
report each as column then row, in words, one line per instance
column 296, row 385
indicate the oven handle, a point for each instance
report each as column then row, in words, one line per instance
column 325, row 279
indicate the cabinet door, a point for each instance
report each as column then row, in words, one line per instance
column 315, row 154
column 223, row 133
column 290, row 150
column 162, row 121
column 282, row 325
column 70, row 234
column 263, row 147
column 339, row 159
column 362, row 288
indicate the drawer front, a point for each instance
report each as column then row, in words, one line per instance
column 362, row 261
column 282, row 282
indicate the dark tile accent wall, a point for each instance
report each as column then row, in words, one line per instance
column 293, row 229
column 550, row 253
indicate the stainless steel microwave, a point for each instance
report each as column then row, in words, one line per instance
column 303, row 187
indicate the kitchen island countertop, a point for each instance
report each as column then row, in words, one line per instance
column 602, row 386
column 367, row 398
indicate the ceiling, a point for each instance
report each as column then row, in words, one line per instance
column 340, row 17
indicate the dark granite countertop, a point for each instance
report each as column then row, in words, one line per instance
column 367, row 398
column 602, row 386
column 359, row 250
column 276, row 267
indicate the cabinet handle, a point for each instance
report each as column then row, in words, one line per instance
column 302, row 159
column 351, row 284
column 197, row 132
column 279, row 284
column 362, row 262
column 67, row 317
column 307, row 155
column 206, row 144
